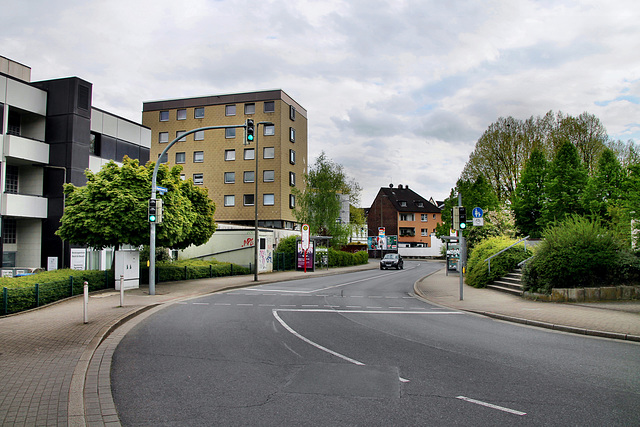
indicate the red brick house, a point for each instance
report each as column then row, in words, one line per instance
column 406, row 214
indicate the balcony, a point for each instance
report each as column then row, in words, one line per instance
column 26, row 149
column 24, row 206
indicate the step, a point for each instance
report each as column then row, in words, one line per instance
column 510, row 279
column 505, row 284
column 506, row 290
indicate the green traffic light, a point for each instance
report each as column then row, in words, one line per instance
column 463, row 225
column 152, row 218
column 249, row 137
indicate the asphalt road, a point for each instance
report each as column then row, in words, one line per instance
column 361, row 349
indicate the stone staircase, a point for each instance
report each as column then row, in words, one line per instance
column 511, row 283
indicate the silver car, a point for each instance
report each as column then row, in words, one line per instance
column 392, row 260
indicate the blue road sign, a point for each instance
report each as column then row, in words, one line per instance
column 161, row 190
column 477, row 212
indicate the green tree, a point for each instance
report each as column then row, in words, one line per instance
column 111, row 209
column 529, row 196
column 319, row 204
column 605, row 189
column 565, row 185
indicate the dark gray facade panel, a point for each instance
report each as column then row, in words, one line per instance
column 145, row 154
column 124, row 148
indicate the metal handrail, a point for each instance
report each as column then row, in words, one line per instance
column 496, row 254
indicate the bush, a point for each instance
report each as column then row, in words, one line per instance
column 577, row 253
column 191, row 269
column 478, row 274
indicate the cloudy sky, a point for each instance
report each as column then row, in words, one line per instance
column 397, row 91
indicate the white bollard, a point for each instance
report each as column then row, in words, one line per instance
column 86, row 302
column 121, row 290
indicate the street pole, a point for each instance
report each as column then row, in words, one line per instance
column 255, row 202
column 154, row 189
column 463, row 253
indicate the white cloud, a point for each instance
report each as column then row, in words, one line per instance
column 396, row 90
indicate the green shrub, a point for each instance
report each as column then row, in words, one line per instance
column 579, row 252
column 478, row 274
column 285, row 255
column 346, row 259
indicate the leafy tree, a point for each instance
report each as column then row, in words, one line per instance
column 565, row 185
column 605, row 189
column 111, row 209
column 319, row 204
column 529, row 200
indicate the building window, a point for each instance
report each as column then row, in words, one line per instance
column 269, row 107
column 198, row 136
column 268, row 153
column 230, row 200
column 407, row 231
column 230, row 110
column 181, row 114
column 248, row 200
column 230, row 133
column 292, row 157
column 420, row 204
column 198, row 156
column 292, row 179
column 9, row 231
column 292, row 201
column 180, row 133
column 229, row 177
column 292, row 112
column 424, row 217
column 249, row 108
column 229, row 155
column 163, row 137
column 292, row 135
column 269, row 130
column 268, row 176
column 249, row 154
column 268, row 199
column 249, row 176
column 198, row 113
column 94, row 144
column 180, row 157
column 403, row 204
column 434, row 216
column 164, row 116
column 164, row 159
column 198, row 178
column 424, row 232
column 183, row 177
column 11, row 185
column 407, row 217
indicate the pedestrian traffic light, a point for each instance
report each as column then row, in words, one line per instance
column 462, row 217
column 250, row 130
column 153, row 210
column 455, row 218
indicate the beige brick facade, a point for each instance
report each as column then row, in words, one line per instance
column 215, row 153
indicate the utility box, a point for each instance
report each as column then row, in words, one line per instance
column 128, row 266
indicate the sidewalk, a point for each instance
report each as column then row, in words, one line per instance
column 619, row 320
column 54, row 370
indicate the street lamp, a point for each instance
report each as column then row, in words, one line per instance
column 154, row 189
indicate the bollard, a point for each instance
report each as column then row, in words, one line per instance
column 121, row 290
column 86, row 302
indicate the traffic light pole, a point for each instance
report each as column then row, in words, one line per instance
column 463, row 253
column 154, row 189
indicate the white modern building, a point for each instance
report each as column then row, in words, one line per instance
column 49, row 135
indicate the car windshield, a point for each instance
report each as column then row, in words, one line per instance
column 391, row 256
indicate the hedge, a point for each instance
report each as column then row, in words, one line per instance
column 478, row 274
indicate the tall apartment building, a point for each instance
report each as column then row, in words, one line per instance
column 50, row 134
column 221, row 160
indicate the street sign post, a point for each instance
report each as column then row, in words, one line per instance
column 477, row 214
column 305, row 243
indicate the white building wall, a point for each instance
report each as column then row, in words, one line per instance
column 26, row 97
column 29, row 239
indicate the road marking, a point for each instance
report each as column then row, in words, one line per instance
column 220, row 303
column 320, row 347
column 325, row 310
column 266, row 305
column 245, row 305
column 200, row 303
column 492, row 406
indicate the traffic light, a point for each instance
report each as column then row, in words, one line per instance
column 158, row 211
column 462, row 217
column 250, row 130
column 455, row 218
column 153, row 210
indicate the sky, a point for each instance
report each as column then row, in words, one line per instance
column 397, row 91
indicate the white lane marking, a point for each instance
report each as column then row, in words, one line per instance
column 200, row 303
column 492, row 406
column 318, row 346
column 245, row 305
column 220, row 303
column 266, row 305
column 324, row 310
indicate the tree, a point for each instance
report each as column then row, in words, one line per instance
column 604, row 190
column 528, row 202
column 564, row 186
column 111, row 209
column 319, row 204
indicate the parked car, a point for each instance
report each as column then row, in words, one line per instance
column 391, row 260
